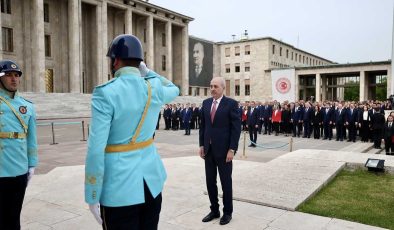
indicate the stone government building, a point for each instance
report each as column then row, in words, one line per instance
column 61, row 46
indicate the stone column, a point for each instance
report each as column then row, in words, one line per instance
column 324, row 88
column 150, row 43
column 185, row 61
column 99, row 46
column 129, row 21
column 318, row 87
column 74, row 46
column 169, row 50
column 363, row 81
column 104, row 43
column 38, row 46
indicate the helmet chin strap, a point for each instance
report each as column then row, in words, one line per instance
column 3, row 86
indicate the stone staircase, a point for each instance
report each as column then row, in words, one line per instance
column 74, row 105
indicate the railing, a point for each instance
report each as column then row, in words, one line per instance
column 52, row 124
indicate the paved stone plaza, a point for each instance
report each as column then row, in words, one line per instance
column 268, row 183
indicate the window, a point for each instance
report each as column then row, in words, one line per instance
column 287, row 53
column 303, row 59
column 144, row 35
column 237, row 51
column 247, row 66
column 307, row 60
column 205, row 91
column 292, row 55
column 163, row 39
column 7, row 36
column 163, row 62
column 237, row 68
column 46, row 12
column 247, row 50
column 296, row 57
column 280, row 51
column 47, row 45
column 237, row 88
column 228, row 70
column 227, row 52
column 6, row 6
column 273, row 49
column 247, row 89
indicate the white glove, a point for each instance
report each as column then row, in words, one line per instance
column 143, row 69
column 95, row 210
column 30, row 174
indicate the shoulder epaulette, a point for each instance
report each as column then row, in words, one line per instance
column 107, row 83
column 27, row 100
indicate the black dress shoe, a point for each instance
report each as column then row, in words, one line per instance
column 225, row 219
column 211, row 216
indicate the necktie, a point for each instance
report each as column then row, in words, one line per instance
column 213, row 111
column 389, row 124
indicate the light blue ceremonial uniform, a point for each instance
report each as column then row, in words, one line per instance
column 116, row 179
column 17, row 154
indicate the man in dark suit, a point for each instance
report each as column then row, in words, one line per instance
column 252, row 121
column 297, row 119
column 307, row 119
column 195, row 112
column 187, row 118
column 351, row 122
column 267, row 117
column 328, row 115
column 377, row 124
column 175, row 117
column 219, row 135
column 388, row 133
column 339, row 118
column 167, row 116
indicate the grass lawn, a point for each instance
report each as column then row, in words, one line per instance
column 358, row 196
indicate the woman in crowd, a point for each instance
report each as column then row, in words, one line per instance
column 316, row 122
column 244, row 117
column 276, row 119
column 364, row 120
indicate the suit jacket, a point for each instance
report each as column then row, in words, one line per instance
column 317, row 117
column 327, row 116
column 351, row 117
column 187, row 115
column 388, row 132
column 339, row 118
column 253, row 118
column 223, row 133
column 377, row 121
column 266, row 113
column 307, row 117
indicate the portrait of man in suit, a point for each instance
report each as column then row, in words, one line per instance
column 200, row 62
column 219, row 134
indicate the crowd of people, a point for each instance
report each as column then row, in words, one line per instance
column 329, row 120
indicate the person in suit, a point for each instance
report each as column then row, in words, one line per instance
column 187, row 118
column 327, row 116
column 244, row 118
column 388, row 134
column 297, row 119
column 218, row 139
column 377, row 125
column 316, row 122
column 364, row 123
column 351, row 122
column 181, row 112
column 193, row 123
column 286, row 117
column 307, row 119
column 267, row 118
column 167, row 116
column 175, row 117
column 252, row 122
column 339, row 122
column 260, row 119
column 124, row 175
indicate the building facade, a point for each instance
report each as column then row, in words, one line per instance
column 245, row 64
column 61, row 45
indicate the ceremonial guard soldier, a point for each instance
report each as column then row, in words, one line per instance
column 124, row 175
column 18, row 145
